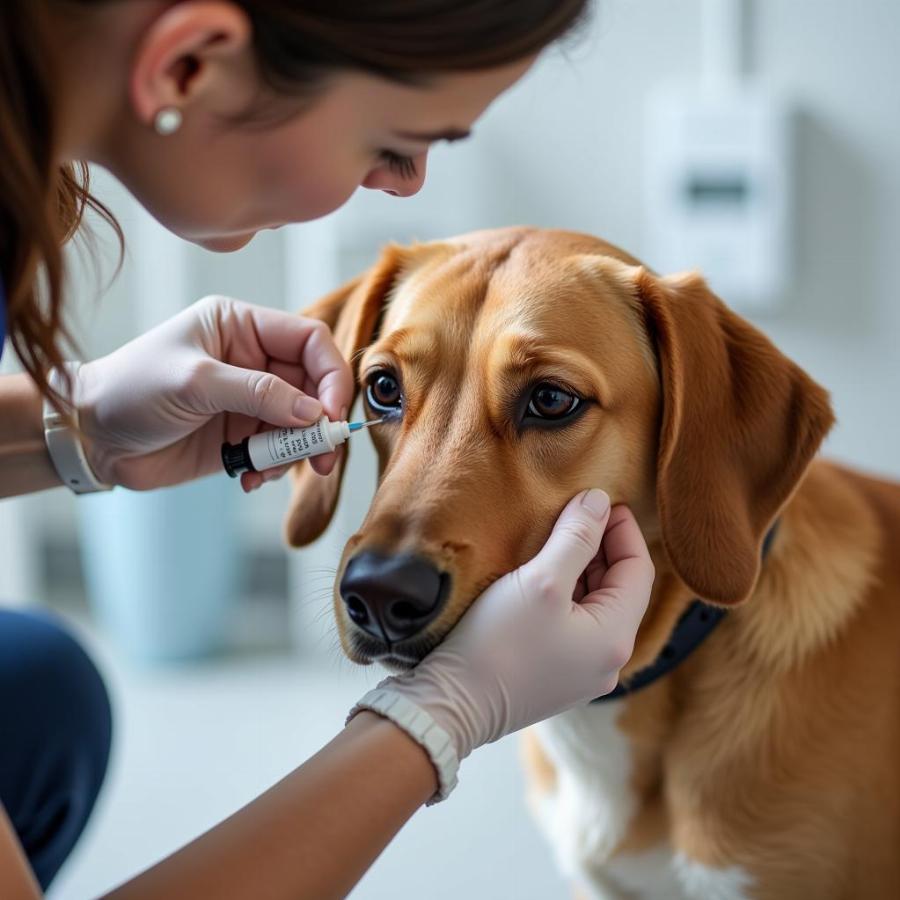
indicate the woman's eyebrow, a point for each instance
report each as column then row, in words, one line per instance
column 429, row 137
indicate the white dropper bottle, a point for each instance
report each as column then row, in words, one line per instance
column 286, row 445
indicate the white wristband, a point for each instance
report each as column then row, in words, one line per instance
column 64, row 444
column 419, row 725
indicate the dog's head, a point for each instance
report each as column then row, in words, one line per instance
column 519, row 367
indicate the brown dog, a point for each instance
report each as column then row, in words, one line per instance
column 522, row 366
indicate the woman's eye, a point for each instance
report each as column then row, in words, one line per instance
column 548, row 401
column 383, row 392
column 399, row 164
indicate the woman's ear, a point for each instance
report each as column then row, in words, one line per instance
column 353, row 312
column 186, row 52
column 740, row 424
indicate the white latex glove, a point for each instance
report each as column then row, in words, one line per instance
column 156, row 411
column 550, row 635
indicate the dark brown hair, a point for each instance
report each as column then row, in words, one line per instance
column 298, row 44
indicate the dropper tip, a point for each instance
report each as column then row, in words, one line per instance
column 358, row 426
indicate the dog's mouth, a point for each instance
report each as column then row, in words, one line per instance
column 399, row 656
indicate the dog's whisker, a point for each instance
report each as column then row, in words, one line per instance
column 314, row 599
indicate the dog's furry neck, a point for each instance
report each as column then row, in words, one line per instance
column 781, row 636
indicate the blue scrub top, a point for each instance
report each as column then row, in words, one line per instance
column 2, row 315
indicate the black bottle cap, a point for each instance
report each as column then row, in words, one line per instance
column 236, row 458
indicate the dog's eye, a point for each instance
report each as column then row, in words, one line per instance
column 383, row 392
column 549, row 401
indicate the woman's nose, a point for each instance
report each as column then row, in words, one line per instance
column 398, row 185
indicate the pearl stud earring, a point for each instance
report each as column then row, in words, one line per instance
column 168, row 120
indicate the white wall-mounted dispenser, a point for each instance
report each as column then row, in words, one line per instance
column 718, row 174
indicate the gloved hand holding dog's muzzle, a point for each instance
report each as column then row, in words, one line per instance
column 549, row 636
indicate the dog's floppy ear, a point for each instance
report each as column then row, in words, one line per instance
column 352, row 312
column 740, row 425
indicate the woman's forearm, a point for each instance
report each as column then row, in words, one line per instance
column 314, row 834
column 25, row 465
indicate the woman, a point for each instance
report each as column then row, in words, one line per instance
column 224, row 118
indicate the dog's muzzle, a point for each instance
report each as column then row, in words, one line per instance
column 393, row 598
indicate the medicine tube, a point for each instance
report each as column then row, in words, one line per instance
column 286, row 445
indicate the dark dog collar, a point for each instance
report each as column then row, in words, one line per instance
column 695, row 625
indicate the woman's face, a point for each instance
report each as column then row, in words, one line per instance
column 218, row 181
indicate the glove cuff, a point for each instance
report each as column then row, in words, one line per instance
column 422, row 728
column 64, row 443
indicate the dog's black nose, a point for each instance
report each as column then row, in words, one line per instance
column 392, row 597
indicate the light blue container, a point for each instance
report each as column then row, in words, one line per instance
column 161, row 567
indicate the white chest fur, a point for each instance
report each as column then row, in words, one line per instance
column 588, row 813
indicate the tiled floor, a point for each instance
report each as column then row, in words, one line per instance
column 195, row 743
